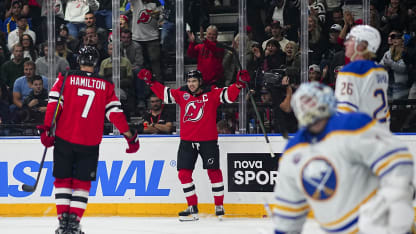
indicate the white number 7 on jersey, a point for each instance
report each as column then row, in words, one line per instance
column 91, row 95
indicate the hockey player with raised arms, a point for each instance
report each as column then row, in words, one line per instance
column 362, row 84
column 86, row 99
column 347, row 168
column 198, row 105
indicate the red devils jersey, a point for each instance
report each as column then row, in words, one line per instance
column 85, row 101
column 198, row 113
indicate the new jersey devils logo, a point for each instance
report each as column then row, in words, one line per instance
column 144, row 17
column 193, row 111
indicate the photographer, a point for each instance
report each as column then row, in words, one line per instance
column 282, row 86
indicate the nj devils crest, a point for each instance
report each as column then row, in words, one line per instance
column 194, row 111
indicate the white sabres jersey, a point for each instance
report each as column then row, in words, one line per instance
column 335, row 172
column 362, row 86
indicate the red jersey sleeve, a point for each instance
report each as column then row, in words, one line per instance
column 53, row 100
column 114, row 113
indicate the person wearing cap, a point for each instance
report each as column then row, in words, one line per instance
column 71, row 42
column 62, row 51
column 362, row 84
column 332, row 48
column 277, row 31
column 22, row 28
column 314, row 73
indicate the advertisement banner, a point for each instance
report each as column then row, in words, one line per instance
column 252, row 172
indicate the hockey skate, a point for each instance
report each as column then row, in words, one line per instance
column 63, row 223
column 190, row 214
column 73, row 225
column 219, row 211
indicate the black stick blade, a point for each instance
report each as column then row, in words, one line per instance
column 28, row 188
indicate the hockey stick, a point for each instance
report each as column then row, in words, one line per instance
column 30, row 188
column 233, row 51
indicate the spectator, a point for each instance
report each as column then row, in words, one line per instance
column 337, row 17
column 157, row 120
column 74, row 14
column 104, row 14
column 145, row 28
column 231, row 65
column 317, row 41
column 37, row 100
column 71, row 42
column 396, row 67
column 65, row 53
column 124, row 22
column 29, row 50
column 133, row 51
column 4, row 112
column 22, row 28
column 276, row 35
column 3, row 55
column 42, row 65
column 332, row 48
column 59, row 18
column 223, row 127
column 267, row 112
column 126, row 80
column 274, row 57
column 291, row 50
column 10, row 23
column 91, row 39
column 317, row 9
column 394, row 17
column 23, row 85
column 283, row 11
column 90, row 21
column 355, row 7
column 315, row 73
column 208, row 55
column 168, row 27
column 13, row 68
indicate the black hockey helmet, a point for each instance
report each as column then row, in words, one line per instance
column 88, row 56
column 194, row 74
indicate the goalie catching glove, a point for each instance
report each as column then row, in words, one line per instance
column 134, row 144
column 243, row 78
column 45, row 138
column 146, row 76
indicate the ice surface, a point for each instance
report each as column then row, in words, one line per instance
column 159, row 225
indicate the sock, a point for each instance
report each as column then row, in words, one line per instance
column 215, row 175
column 63, row 195
column 79, row 198
column 185, row 176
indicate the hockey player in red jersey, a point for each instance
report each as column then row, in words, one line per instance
column 198, row 104
column 86, row 99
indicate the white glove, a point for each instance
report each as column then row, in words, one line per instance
column 389, row 212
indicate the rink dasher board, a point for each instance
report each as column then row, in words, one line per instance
column 141, row 184
column 145, row 183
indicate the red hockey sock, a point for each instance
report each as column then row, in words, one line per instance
column 185, row 176
column 63, row 195
column 79, row 198
column 215, row 175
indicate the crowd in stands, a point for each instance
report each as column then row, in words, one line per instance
column 148, row 38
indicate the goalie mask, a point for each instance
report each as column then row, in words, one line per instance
column 312, row 102
column 88, row 56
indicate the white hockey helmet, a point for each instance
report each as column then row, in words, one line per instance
column 368, row 34
column 312, row 102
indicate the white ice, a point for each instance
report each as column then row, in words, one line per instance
column 130, row 225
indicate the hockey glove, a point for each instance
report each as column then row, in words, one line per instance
column 146, row 76
column 46, row 140
column 134, row 144
column 243, row 78
column 390, row 211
